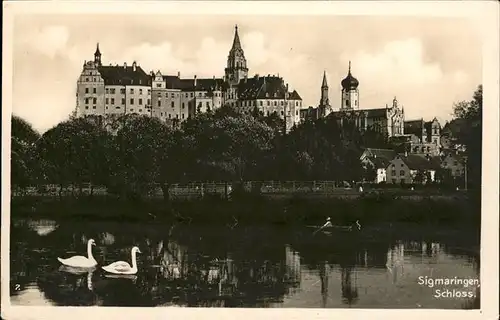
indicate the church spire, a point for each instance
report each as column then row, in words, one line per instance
column 97, row 55
column 325, row 83
column 236, row 40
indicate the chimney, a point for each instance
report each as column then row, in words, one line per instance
column 124, row 65
column 214, row 77
column 178, row 74
column 195, row 80
column 134, row 66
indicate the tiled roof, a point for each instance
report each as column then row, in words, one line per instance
column 270, row 87
column 209, row 84
column 375, row 112
column 370, row 113
column 120, row 75
column 381, row 153
column 421, row 162
column 380, row 162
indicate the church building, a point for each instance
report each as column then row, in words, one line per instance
column 388, row 120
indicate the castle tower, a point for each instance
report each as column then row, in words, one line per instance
column 97, row 56
column 236, row 69
column 350, row 92
column 324, row 103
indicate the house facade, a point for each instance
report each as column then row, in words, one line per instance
column 412, row 168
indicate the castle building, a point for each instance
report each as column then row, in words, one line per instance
column 103, row 90
column 388, row 120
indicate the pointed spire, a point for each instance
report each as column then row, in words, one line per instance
column 349, row 67
column 236, row 41
column 325, row 83
column 97, row 51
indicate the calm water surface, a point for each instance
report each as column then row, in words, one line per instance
column 244, row 267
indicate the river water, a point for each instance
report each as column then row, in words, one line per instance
column 266, row 267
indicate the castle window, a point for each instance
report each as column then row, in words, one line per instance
column 107, row 90
column 94, row 90
column 296, row 103
column 86, row 100
column 140, row 101
column 94, row 80
column 93, row 107
column 268, row 103
column 208, row 105
column 86, row 107
column 86, row 90
column 192, row 94
column 95, row 100
column 177, row 116
column 297, row 112
column 183, row 105
column 112, row 100
column 112, row 90
column 132, row 91
column 183, row 116
column 117, row 107
column 132, row 101
column 107, row 100
column 402, row 173
column 281, row 102
column 159, row 103
column 149, row 102
column 87, row 79
column 123, row 100
column 281, row 112
column 122, row 91
column 140, row 110
column 169, row 116
column 393, row 172
column 355, row 102
column 158, row 85
column 186, row 95
column 132, row 110
column 347, row 103
column 275, row 103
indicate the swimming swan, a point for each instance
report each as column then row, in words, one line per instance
column 122, row 267
column 81, row 261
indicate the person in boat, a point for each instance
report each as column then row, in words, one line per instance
column 328, row 223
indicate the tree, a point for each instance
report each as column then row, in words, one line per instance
column 74, row 152
column 23, row 165
column 140, row 151
column 468, row 115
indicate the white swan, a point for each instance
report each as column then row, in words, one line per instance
column 122, row 267
column 81, row 261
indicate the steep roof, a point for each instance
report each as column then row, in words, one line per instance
column 207, row 84
column 421, row 162
column 121, row 75
column 380, row 153
column 268, row 87
column 370, row 113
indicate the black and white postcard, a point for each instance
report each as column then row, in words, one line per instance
column 250, row 159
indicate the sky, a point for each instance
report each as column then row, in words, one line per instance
column 427, row 63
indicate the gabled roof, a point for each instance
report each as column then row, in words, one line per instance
column 421, row 162
column 380, row 163
column 121, row 75
column 380, row 153
column 268, row 87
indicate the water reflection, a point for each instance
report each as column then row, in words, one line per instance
column 248, row 267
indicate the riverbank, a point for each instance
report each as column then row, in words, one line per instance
column 256, row 209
